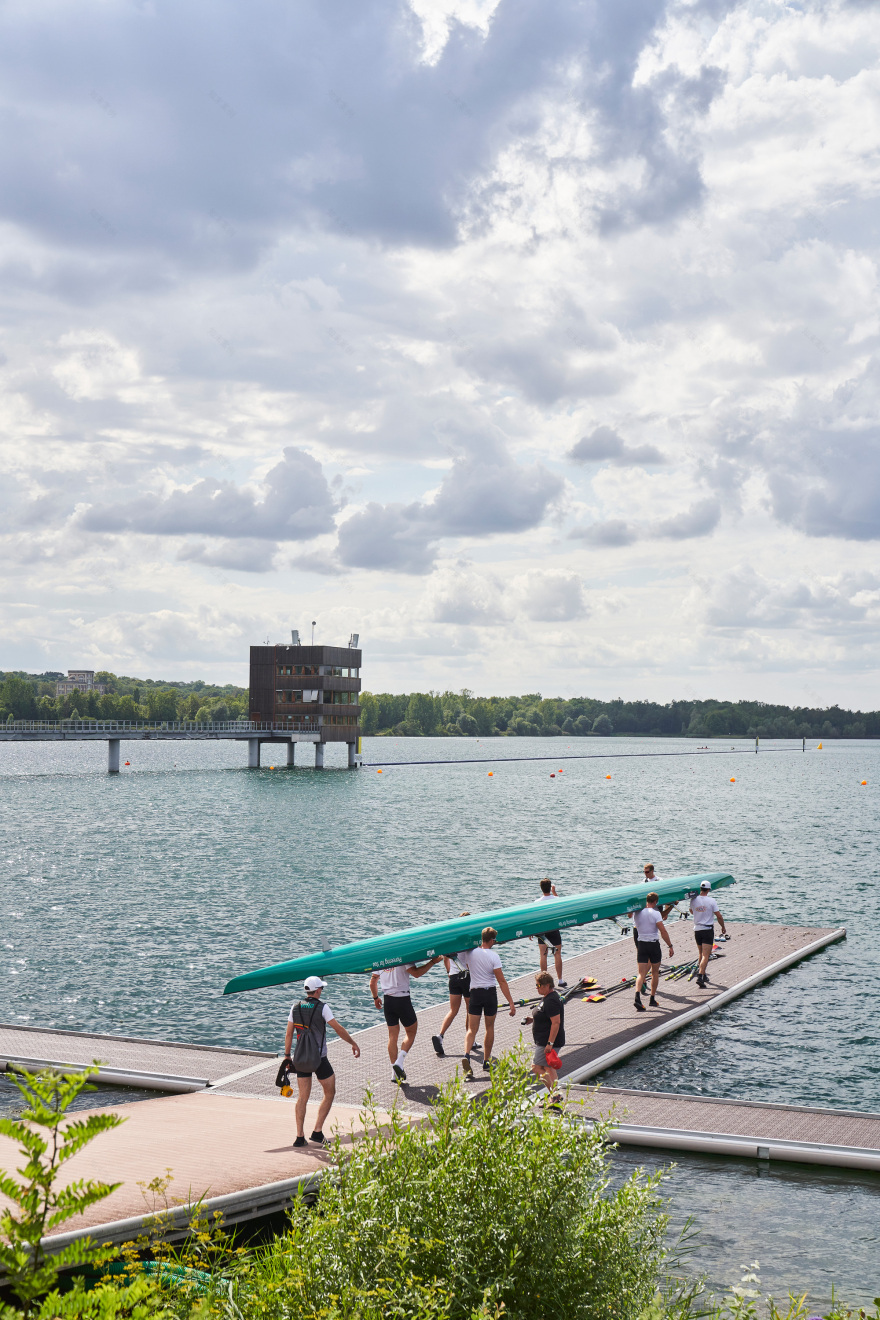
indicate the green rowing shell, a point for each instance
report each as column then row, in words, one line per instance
column 448, row 937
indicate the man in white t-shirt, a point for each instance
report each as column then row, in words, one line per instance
column 484, row 966
column 550, row 939
column 705, row 909
column 300, row 1016
column 397, row 1005
column 649, row 928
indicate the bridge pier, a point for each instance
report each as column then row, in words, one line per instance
column 319, row 756
column 291, row 752
column 112, row 756
column 253, row 753
column 352, row 759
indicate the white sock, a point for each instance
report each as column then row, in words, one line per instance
column 400, row 1058
column 441, row 1034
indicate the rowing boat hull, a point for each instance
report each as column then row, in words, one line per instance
column 449, row 937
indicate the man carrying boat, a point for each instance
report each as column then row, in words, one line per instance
column 397, row 1005
column 459, row 989
column 484, row 966
column 550, row 938
column 704, row 908
column 314, row 1017
column 649, row 927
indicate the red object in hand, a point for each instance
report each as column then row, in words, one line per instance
column 552, row 1057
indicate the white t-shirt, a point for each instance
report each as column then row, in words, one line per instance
column 544, row 897
column 327, row 1015
column 646, row 923
column 394, row 981
column 704, row 908
column 481, row 964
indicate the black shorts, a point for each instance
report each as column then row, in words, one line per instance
column 398, row 1010
column 460, row 983
column 705, row 936
column 551, row 937
column 648, row 951
column 322, row 1072
column 483, row 1001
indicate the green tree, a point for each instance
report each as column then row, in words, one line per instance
column 35, row 1205
column 484, row 715
column 420, row 712
column 369, row 718
column 17, row 696
column 162, row 704
column 468, row 725
column 603, row 726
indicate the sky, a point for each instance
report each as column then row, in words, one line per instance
column 535, row 342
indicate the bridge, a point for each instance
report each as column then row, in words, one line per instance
column 253, row 732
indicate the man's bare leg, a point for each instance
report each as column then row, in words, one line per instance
column 393, row 1033
column 473, row 1026
column 329, row 1085
column 642, row 977
column 557, row 958
column 454, row 1006
column 488, row 1038
column 305, row 1090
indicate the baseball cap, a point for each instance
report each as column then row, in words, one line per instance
column 314, row 983
column 705, row 884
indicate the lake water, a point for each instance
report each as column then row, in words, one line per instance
column 128, row 901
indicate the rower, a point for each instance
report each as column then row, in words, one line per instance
column 484, row 966
column 649, row 925
column 704, row 908
column 397, row 1006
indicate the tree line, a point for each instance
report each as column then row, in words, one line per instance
column 32, row 697
column 461, row 714
column 442, row 714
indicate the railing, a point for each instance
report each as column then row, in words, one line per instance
column 160, row 726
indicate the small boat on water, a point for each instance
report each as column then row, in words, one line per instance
column 450, row 937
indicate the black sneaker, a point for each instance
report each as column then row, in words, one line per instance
column 652, row 1002
column 477, row 1047
column 639, row 1005
column 488, row 1065
column 300, row 1141
column 467, row 1069
column 318, row 1138
column 437, row 1042
column 701, row 982
column 563, row 985
column 398, row 1072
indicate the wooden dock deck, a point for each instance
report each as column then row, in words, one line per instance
column 231, row 1136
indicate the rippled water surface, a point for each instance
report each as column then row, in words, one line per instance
column 128, row 901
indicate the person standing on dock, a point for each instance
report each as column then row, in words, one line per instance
column 704, row 909
column 548, row 1029
column 459, row 989
column 397, row 1005
column 484, row 966
column 649, row 927
column 551, row 939
column 311, row 1017
column 651, row 879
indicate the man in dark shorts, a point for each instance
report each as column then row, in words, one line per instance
column 649, row 926
column 397, row 1006
column 548, row 1029
column 484, row 966
column 550, row 939
column 704, row 909
column 459, row 989
column 651, row 879
column 298, row 1021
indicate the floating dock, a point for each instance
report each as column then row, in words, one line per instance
column 221, row 1127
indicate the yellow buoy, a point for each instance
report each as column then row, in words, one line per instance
column 819, row 748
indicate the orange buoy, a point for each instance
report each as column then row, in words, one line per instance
column 491, row 773
column 378, row 772
column 128, row 763
column 607, row 776
column 864, row 782
column 733, row 781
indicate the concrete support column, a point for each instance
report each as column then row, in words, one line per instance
column 352, row 761
column 113, row 756
column 253, row 753
column 319, row 756
column 291, row 752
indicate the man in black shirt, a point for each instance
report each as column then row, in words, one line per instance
column 548, row 1029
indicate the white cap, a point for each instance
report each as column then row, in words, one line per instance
column 704, row 884
column 314, row 983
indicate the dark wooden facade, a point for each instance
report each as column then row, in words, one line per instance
column 307, row 688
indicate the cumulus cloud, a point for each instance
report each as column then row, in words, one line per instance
column 296, row 506
column 699, row 520
column 243, row 556
column 605, row 445
column 460, row 594
column 552, row 597
column 746, row 599
column 481, row 496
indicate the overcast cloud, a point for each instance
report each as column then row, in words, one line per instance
column 435, row 324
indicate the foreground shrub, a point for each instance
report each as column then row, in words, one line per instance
column 485, row 1207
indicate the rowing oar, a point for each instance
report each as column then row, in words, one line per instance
column 625, row 984
column 585, row 983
